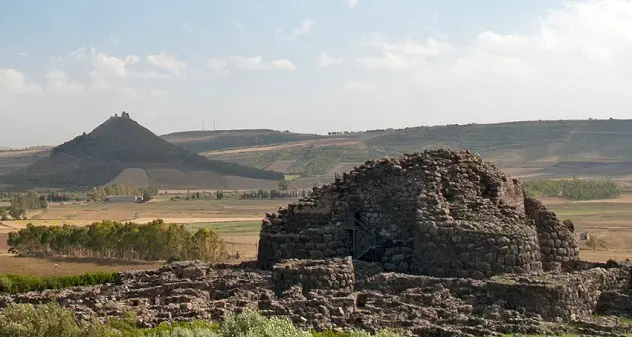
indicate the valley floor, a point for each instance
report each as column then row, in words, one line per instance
column 238, row 223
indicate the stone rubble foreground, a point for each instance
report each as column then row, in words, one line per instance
column 343, row 294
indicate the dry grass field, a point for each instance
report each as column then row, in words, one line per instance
column 607, row 219
column 314, row 143
column 238, row 223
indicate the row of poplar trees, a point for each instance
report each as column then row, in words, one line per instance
column 153, row 241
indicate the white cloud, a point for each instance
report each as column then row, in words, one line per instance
column 325, row 60
column 221, row 66
column 79, row 53
column 360, row 86
column 407, row 54
column 14, row 82
column 168, row 62
column 109, row 70
column 238, row 25
column 159, row 93
column 304, row 28
column 194, row 30
column 61, row 83
column 575, row 63
column 353, row 3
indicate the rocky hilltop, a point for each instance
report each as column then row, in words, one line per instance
column 121, row 150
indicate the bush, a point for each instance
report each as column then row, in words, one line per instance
column 110, row 239
column 52, row 320
column 252, row 324
column 14, row 284
column 575, row 189
column 46, row 320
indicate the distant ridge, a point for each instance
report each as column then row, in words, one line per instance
column 525, row 149
column 119, row 145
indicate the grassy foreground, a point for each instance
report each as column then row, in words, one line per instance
column 52, row 320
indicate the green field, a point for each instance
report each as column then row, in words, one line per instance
column 235, row 228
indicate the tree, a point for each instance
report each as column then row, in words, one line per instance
column 4, row 215
column 146, row 197
column 593, row 243
column 284, row 185
column 17, row 213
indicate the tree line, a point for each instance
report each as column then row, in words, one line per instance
column 153, row 241
column 99, row 193
column 574, row 189
column 273, row 194
column 21, row 204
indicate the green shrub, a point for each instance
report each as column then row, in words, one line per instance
column 14, row 284
column 46, row 320
column 52, row 320
column 252, row 324
column 574, row 189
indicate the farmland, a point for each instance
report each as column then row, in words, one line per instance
column 236, row 221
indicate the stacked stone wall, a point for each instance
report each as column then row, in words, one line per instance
column 386, row 206
column 557, row 241
column 552, row 296
column 334, row 274
column 312, row 243
column 452, row 251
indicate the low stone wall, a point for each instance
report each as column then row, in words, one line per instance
column 453, row 251
column 552, row 296
column 312, row 243
column 333, row 274
column 557, row 242
column 564, row 296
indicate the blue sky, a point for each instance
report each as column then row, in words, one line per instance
column 307, row 66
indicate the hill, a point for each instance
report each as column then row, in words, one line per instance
column 525, row 149
column 11, row 160
column 202, row 141
column 121, row 150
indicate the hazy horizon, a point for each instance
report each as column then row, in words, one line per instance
column 308, row 66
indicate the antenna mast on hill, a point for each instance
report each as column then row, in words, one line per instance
column 202, row 126
column 213, row 125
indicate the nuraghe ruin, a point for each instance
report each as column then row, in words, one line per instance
column 437, row 243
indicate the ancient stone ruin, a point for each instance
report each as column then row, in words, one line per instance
column 437, row 243
column 442, row 213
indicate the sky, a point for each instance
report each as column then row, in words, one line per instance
column 306, row 65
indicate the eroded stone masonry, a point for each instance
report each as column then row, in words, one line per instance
column 444, row 213
column 437, row 243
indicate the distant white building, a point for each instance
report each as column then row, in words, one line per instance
column 584, row 236
column 123, row 198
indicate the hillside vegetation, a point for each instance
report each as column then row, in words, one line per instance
column 202, row 141
column 557, row 148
